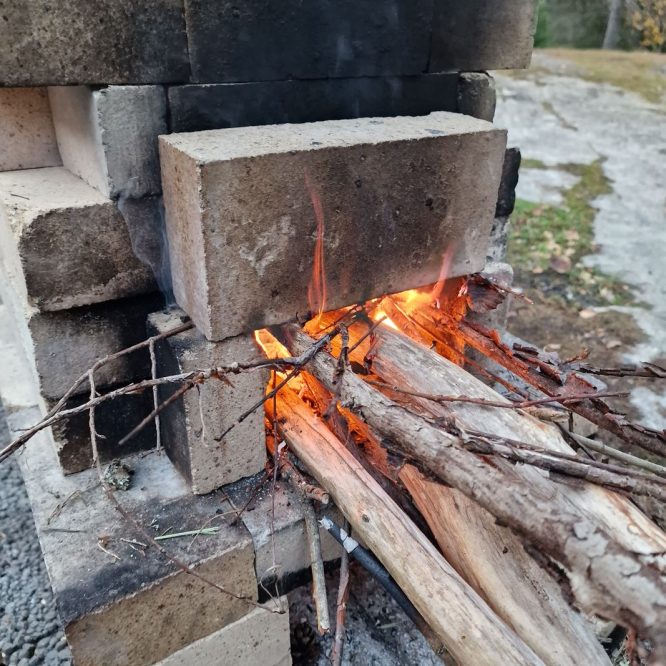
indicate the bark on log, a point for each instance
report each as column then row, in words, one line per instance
column 469, row 629
column 606, row 577
column 489, row 557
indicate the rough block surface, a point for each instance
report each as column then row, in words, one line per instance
column 287, row 530
column 113, row 420
column 194, row 447
column 63, row 244
column 266, row 40
column 482, row 34
column 216, row 106
column 129, row 609
column 387, row 197
column 476, row 95
column 108, row 137
column 260, row 637
column 65, row 344
column 92, row 41
column 26, row 130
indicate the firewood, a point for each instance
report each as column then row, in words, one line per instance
column 607, row 575
column 461, row 619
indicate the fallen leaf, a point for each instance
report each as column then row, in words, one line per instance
column 560, row 264
column 613, row 344
column 587, row 314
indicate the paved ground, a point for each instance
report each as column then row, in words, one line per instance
column 29, row 630
column 558, row 118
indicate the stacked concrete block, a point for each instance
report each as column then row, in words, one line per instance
column 108, row 137
column 191, row 428
column 375, row 192
column 213, row 41
column 27, row 136
column 124, row 603
column 65, row 244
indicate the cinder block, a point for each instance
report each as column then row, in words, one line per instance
column 214, row 106
column 286, row 530
column 108, row 137
column 26, row 130
column 63, row 244
column 476, row 95
column 477, row 35
column 260, row 637
column 129, row 608
column 264, row 41
column 92, row 41
column 391, row 195
column 113, row 420
column 64, row 344
column 195, row 448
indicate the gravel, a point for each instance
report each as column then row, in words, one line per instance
column 30, row 632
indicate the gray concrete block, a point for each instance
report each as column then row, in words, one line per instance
column 113, row 420
column 480, row 35
column 63, row 244
column 242, row 209
column 138, row 608
column 108, row 137
column 264, row 41
column 287, row 531
column 260, row 637
column 195, row 447
column 92, row 41
column 476, row 95
column 26, row 130
column 65, row 344
column 214, row 106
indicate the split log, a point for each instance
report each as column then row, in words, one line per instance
column 461, row 619
column 607, row 578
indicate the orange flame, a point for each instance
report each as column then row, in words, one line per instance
column 317, row 286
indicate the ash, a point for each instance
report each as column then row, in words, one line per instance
column 377, row 631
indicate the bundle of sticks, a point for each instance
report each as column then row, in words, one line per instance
column 522, row 531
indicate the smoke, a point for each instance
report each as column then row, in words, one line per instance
column 145, row 222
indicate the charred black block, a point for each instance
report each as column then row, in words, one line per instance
column 267, row 40
column 217, row 106
column 113, row 420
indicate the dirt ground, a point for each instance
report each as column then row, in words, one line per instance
column 589, row 234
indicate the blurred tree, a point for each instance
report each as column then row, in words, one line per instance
column 612, row 34
column 649, row 19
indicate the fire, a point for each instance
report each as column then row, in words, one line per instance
column 317, row 286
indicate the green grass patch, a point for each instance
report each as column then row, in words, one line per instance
column 528, row 163
column 547, row 243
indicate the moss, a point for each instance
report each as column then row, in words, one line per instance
column 547, row 243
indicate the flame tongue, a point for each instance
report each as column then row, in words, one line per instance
column 317, row 286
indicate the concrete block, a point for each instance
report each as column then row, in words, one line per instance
column 264, row 41
column 92, row 41
column 194, row 447
column 26, row 130
column 133, row 609
column 108, row 137
column 292, row 557
column 260, row 637
column 480, row 35
column 63, row 244
column 214, row 106
column 476, row 95
column 113, row 420
column 388, row 196
column 64, row 344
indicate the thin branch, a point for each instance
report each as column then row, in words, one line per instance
column 341, row 611
column 156, row 398
column 523, row 404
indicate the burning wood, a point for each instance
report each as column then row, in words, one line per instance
column 492, row 512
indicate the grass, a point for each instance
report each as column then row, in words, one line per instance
column 636, row 71
column 547, row 243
